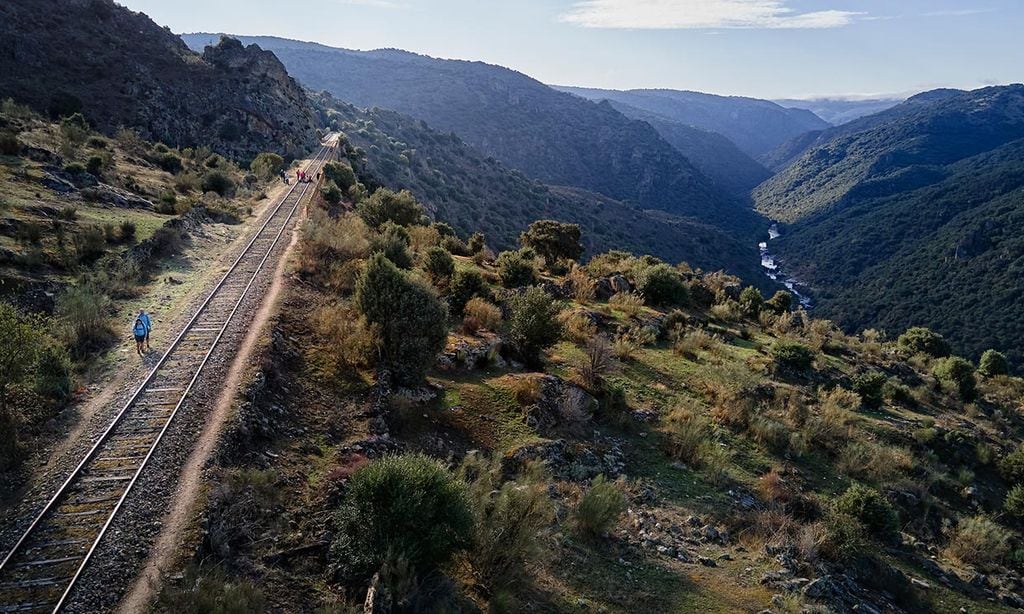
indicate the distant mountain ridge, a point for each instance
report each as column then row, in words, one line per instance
column 121, row 69
column 755, row 126
column 551, row 136
column 839, row 111
column 917, row 219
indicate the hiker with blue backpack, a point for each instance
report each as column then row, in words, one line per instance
column 149, row 325
column 139, row 330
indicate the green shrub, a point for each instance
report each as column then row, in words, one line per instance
column 792, row 355
column 751, row 302
column 532, row 325
column 869, row 385
column 94, row 165
column 393, row 242
column 1011, row 466
column 898, row 393
column 553, row 241
column 920, row 340
column 53, row 373
column 993, row 363
column 331, row 193
column 211, row 593
column 171, row 163
column 511, row 516
column 476, row 243
column 465, row 285
column 126, row 231
column 1014, row 503
column 516, row 269
column 780, row 302
column 412, row 321
column 386, row 206
column 439, row 266
column 90, row 243
column 599, row 508
column 74, row 168
column 979, row 541
column 405, row 506
column 341, row 174
column 481, row 315
column 85, row 313
column 267, row 165
column 20, row 342
column 957, row 372
column 869, row 507
column 9, row 144
column 218, row 182
column 844, row 538
column 663, row 285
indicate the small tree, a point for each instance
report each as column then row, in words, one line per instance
column 553, row 240
column 340, row 174
column 393, row 241
column 516, row 269
column 20, row 343
column 477, row 243
column 993, row 363
column 412, row 320
column 599, row 508
column 869, row 507
column 439, row 265
column 869, row 385
column 406, row 506
column 331, row 193
column 920, row 340
column 751, row 302
column 663, row 285
column 780, row 302
column 1011, row 466
column 387, row 206
column 532, row 325
column 218, row 182
column 792, row 355
column 267, row 165
column 465, row 285
column 960, row 373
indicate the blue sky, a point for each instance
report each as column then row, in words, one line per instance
column 764, row 48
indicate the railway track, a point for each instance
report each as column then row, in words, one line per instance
column 40, row 571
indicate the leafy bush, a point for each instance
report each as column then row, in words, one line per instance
column 465, row 285
column 1011, row 467
column 780, row 302
column 439, row 266
column 476, row 243
column 510, row 518
column 583, row 285
column 331, row 193
column 172, row 164
column 218, row 182
column 869, row 507
column 844, row 537
column 94, row 165
column 792, row 355
column 920, row 340
column 662, row 285
column 267, row 165
column 85, row 313
column 9, row 144
column 553, row 240
column 516, row 269
column 689, row 438
column 412, row 321
column 126, row 230
column 481, row 315
column 387, row 206
column 957, row 372
column 599, row 508
column 899, row 393
column 341, row 174
column 347, row 341
column 869, row 385
column 393, row 242
column 1014, row 503
column 405, row 506
column 212, row 593
column 627, row 302
column 532, row 324
column 53, row 373
column 90, row 243
column 20, row 343
column 993, row 363
column 979, row 541
column 751, row 301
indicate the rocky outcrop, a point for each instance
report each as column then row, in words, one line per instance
column 120, row 69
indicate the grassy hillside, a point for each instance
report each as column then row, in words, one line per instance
column 477, row 194
column 755, row 126
column 119, row 68
column 654, row 451
column 550, row 136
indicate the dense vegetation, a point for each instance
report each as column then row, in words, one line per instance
column 915, row 221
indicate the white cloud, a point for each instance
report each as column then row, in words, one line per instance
column 684, row 14
column 957, row 12
column 389, row 4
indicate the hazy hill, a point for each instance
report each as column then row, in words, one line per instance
column 551, row 136
column 121, row 69
column 474, row 193
column 755, row 126
column 713, row 154
column 838, row 111
column 918, row 219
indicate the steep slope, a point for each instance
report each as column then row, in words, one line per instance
column 713, row 154
column 839, row 111
column 755, row 126
column 916, row 221
column 474, row 193
column 121, row 69
column 785, row 154
column 550, row 136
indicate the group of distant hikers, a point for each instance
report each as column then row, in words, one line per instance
column 143, row 324
column 300, row 176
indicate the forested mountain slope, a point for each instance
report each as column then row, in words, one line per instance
column 474, row 193
column 918, row 219
column 550, row 136
column 755, row 126
column 119, row 68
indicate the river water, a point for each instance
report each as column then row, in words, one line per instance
column 775, row 273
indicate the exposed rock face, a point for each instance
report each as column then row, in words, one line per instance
column 120, row 69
